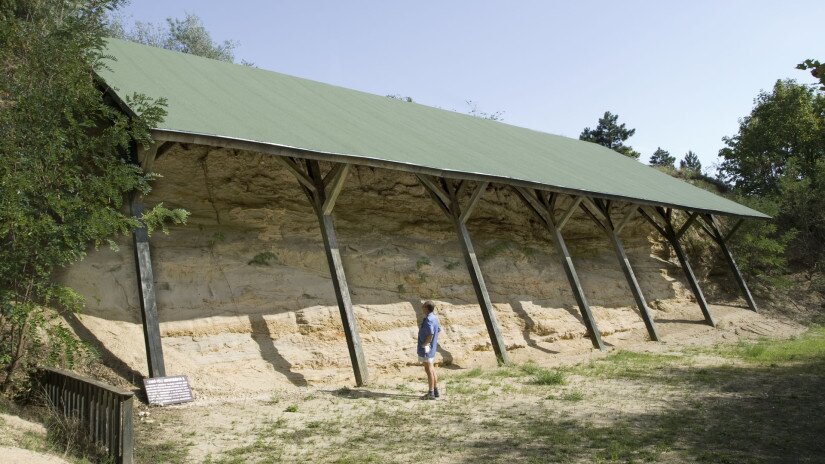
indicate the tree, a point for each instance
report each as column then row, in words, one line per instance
column 187, row 35
column 817, row 70
column 610, row 134
column 779, row 155
column 691, row 165
column 65, row 169
column 786, row 125
column 662, row 158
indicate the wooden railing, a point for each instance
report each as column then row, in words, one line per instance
column 103, row 411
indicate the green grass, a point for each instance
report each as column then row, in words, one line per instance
column 806, row 347
column 547, row 377
column 291, row 408
column 263, row 259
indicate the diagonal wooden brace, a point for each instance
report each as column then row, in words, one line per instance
column 543, row 209
column 446, row 196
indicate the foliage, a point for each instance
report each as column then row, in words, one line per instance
column 690, row 165
column 187, row 35
column 399, row 97
column 475, row 111
column 610, row 134
column 65, row 170
column 662, row 158
column 817, row 70
column 760, row 248
column 262, row 259
column 779, row 155
column 785, row 125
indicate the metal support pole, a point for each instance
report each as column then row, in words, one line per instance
column 452, row 208
column 544, row 212
column 740, row 281
column 146, row 293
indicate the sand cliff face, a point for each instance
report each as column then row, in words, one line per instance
column 245, row 282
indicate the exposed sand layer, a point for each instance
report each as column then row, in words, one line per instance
column 246, row 304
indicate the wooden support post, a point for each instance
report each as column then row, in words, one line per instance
column 145, row 278
column 543, row 209
column 576, row 287
column 669, row 232
column 322, row 194
column 613, row 234
column 446, row 196
column 737, row 275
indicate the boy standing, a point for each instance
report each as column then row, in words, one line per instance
column 427, row 346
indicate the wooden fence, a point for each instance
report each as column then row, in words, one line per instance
column 104, row 412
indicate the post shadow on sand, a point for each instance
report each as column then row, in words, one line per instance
column 449, row 362
column 119, row 366
column 261, row 335
column 529, row 327
column 362, row 393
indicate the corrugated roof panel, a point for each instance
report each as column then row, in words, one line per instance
column 215, row 98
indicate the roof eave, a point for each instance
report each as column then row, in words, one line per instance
column 167, row 135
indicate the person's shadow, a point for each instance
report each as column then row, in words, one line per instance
column 260, row 333
column 448, row 362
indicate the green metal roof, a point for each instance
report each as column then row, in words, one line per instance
column 223, row 104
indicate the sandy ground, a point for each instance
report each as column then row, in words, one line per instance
column 227, row 422
column 13, row 430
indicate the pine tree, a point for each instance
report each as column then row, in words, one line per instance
column 608, row 133
column 662, row 158
column 690, row 164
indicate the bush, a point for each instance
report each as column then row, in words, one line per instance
column 66, row 167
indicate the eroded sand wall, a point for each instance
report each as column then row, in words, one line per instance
column 217, row 308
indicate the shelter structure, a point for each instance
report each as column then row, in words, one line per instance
column 455, row 157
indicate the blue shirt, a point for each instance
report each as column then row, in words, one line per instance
column 429, row 326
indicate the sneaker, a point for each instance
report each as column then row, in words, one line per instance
column 428, row 396
column 436, row 394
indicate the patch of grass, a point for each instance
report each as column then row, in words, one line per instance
column 631, row 365
column 496, row 249
column 423, row 261
column 172, row 452
column 548, row 377
column 291, row 408
column 806, row 347
column 472, row 373
column 262, row 259
column 401, row 288
column 450, row 265
column 573, row 396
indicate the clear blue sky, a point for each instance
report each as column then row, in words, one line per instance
column 681, row 72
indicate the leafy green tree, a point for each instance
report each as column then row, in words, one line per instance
column 187, row 35
column 662, row 158
column 690, row 164
column 817, row 70
column 786, row 125
column 779, row 155
column 65, row 169
column 609, row 133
